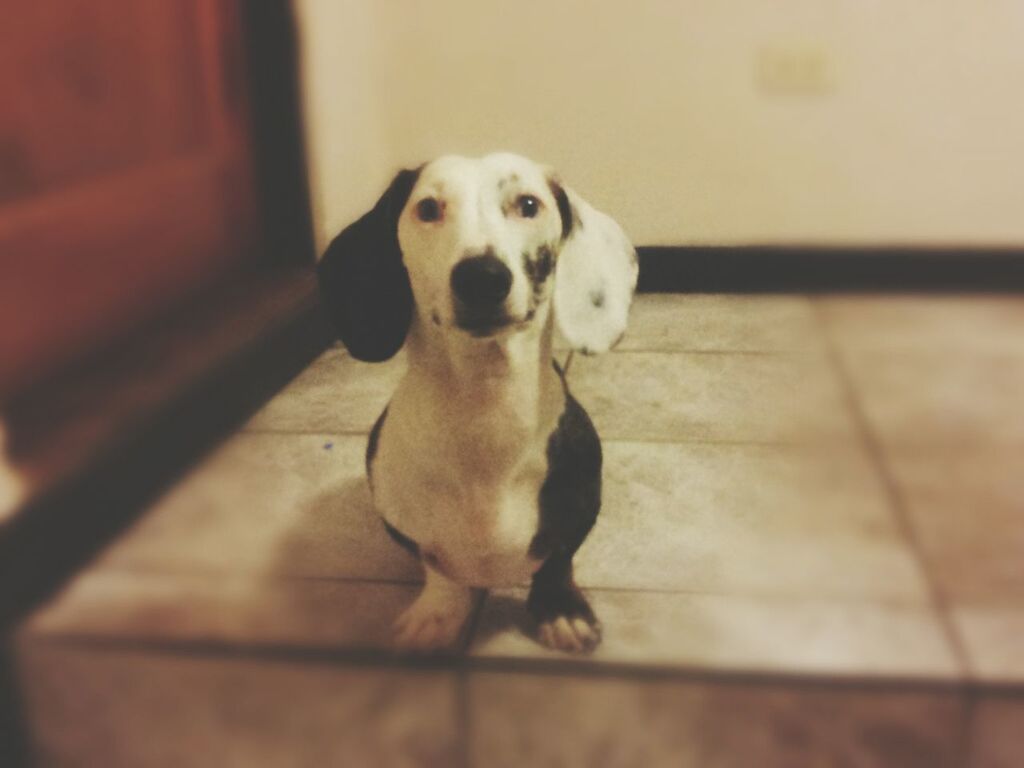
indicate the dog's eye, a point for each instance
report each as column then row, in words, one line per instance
column 528, row 206
column 428, row 209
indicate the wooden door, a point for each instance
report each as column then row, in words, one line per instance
column 125, row 170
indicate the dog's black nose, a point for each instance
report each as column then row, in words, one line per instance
column 481, row 281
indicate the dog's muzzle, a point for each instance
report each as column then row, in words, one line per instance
column 480, row 285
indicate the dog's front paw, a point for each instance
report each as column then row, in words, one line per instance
column 565, row 620
column 573, row 634
column 432, row 623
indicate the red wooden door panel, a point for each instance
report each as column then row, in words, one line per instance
column 125, row 169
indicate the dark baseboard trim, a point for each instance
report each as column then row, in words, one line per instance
column 767, row 269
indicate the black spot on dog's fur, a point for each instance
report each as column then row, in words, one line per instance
column 538, row 268
column 597, row 298
column 512, row 178
column 371, row 453
column 570, row 496
column 545, row 262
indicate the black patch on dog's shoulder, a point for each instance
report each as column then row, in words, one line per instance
column 570, row 496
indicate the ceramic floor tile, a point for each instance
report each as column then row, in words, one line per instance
column 931, row 397
column 992, row 640
column 721, row 322
column 967, row 510
column 94, row 707
column 736, row 634
column 997, row 738
column 336, row 393
column 568, row 722
column 289, row 504
column 909, row 323
column 716, row 396
column 747, row 519
column 225, row 609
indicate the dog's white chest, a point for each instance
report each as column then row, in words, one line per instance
column 488, row 541
column 473, row 526
column 474, row 533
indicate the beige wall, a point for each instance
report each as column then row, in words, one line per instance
column 705, row 121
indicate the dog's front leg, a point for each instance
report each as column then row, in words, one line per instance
column 434, row 620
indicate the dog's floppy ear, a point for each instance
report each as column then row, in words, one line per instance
column 595, row 275
column 363, row 282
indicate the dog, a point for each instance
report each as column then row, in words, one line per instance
column 483, row 465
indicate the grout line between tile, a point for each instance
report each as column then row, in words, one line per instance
column 897, row 502
column 639, row 441
column 753, row 595
column 793, row 444
column 132, row 568
column 129, row 569
column 257, row 430
column 797, row 352
column 968, row 723
column 377, row 658
column 463, row 718
column 1009, row 445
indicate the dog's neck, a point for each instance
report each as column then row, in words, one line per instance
column 511, row 371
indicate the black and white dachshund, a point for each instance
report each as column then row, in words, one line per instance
column 483, row 464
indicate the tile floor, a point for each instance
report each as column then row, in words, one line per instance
column 811, row 553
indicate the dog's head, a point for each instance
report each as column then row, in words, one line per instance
column 481, row 247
